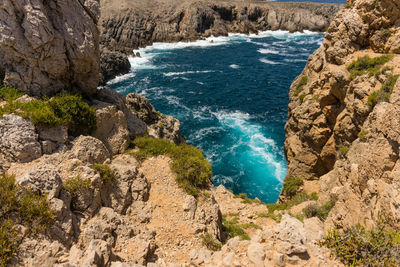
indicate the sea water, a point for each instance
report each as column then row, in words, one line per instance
column 231, row 96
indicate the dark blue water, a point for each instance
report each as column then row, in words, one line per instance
column 231, row 96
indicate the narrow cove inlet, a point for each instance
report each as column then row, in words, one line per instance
column 231, row 96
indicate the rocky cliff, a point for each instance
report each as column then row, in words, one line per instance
column 343, row 115
column 127, row 25
column 50, row 46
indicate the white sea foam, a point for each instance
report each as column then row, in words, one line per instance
column 295, row 60
column 234, row 66
column 265, row 149
column 268, row 51
column 121, row 78
column 267, row 61
column 186, row 72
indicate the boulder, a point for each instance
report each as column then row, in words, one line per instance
column 256, row 254
column 18, row 141
column 89, row 149
column 112, row 64
column 112, row 128
column 50, row 46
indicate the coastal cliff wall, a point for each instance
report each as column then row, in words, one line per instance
column 344, row 115
column 50, row 46
column 128, row 25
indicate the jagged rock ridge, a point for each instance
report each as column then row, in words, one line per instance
column 334, row 133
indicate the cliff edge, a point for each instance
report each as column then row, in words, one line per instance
column 343, row 115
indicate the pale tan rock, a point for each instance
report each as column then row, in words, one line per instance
column 65, row 32
column 89, row 149
column 58, row 134
column 112, row 128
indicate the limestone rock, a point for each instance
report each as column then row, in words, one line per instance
column 50, row 46
column 89, row 149
column 58, row 134
column 158, row 125
column 139, row 24
column 18, row 141
column 256, row 254
column 42, row 181
column 112, row 128
column 112, row 64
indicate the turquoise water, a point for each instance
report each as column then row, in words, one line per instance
column 231, row 96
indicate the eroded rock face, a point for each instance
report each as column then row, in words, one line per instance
column 139, row 24
column 334, row 133
column 50, row 46
column 112, row 63
column 18, row 141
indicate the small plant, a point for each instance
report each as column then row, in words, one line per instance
column 233, row 228
column 366, row 64
column 106, row 174
column 247, row 200
column 193, row 171
column 302, row 97
column 209, row 242
column 8, row 241
column 19, row 205
column 313, row 210
column 343, row 151
column 291, row 186
column 295, row 200
column 77, row 184
column 300, row 85
column 384, row 93
column 363, row 135
column 358, row 246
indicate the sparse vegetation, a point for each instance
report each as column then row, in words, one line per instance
column 343, row 151
column 106, row 174
column 302, row 97
column 66, row 109
column 193, row 171
column 77, row 184
column 358, row 246
column 19, row 205
column 383, row 94
column 300, row 85
column 314, row 210
column 247, row 200
column 363, row 135
column 210, row 243
column 295, row 200
column 291, row 186
column 233, row 228
column 366, row 64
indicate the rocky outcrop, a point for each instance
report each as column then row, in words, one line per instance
column 335, row 132
column 50, row 46
column 158, row 124
column 112, row 64
column 128, row 25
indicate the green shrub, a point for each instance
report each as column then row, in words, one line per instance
column 366, row 64
column 8, row 241
column 106, row 174
column 343, row 151
column 357, row 246
column 209, row 242
column 66, row 109
column 291, row 185
column 363, row 135
column 300, row 85
column 383, row 94
column 302, row 97
column 193, row 171
column 75, row 113
column 77, row 184
column 19, row 205
column 233, row 228
column 313, row 210
column 8, row 93
column 247, row 200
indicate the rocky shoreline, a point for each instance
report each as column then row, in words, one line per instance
column 75, row 191
column 130, row 25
